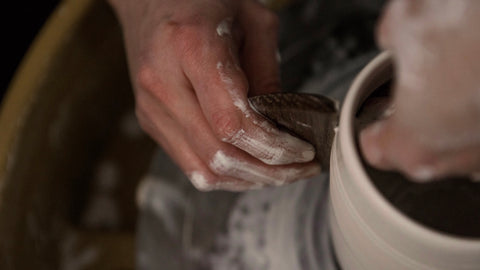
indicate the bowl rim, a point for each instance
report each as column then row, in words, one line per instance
column 354, row 166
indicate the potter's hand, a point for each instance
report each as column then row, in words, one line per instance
column 435, row 128
column 192, row 64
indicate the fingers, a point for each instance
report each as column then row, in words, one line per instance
column 192, row 99
column 388, row 145
column 164, row 129
column 221, row 89
column 244, row 168
column 226, row 167
column 170, row 105
column 158, row 121
column 259, row 51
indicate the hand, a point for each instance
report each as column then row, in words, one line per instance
column 435, row 128
column 193, row 63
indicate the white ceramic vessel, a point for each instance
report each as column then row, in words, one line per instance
column 368, row 233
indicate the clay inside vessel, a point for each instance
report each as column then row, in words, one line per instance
column 450, row 205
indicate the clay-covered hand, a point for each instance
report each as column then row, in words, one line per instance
column 435, row 128
column 193, row 63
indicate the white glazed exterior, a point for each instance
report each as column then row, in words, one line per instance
column 367, row 232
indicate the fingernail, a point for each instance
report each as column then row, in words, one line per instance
column 299, row 150
column 423, row 174
column 288, row 149
column 308, row 155
column 199, row 181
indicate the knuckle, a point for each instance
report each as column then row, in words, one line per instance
column 186, row 36
column 163, row 95
column 222, row 163
column 147, row 80
column 226, row 125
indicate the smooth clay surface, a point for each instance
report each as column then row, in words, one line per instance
column 450, row 205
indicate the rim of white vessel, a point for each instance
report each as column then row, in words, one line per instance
column 354, row 166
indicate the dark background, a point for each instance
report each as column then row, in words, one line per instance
column 20, row 23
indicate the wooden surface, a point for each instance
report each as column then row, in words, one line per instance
column 60, row 120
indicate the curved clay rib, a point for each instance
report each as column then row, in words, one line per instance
column 307, row 116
